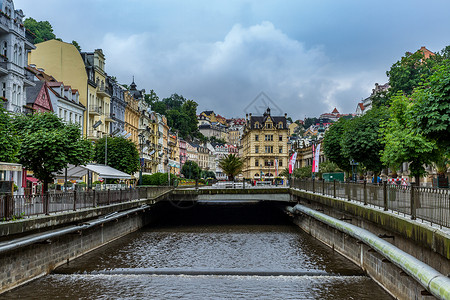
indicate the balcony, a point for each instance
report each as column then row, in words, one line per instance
column 109, row 118
column 93, row 134
column 102, row 92
column 95, row 110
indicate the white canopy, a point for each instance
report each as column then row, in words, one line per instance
column 101, row 170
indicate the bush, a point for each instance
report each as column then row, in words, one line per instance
column 157, row 179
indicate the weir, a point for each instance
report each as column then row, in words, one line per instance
column 376, row 240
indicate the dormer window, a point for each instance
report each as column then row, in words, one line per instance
column 280, row 125
column 268, row 125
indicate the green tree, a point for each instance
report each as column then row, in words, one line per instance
column 151, row 98
column 42, row 30
column 407, row 73
column 191, row 170
column 361, row 139
column 402, row 141
column 432, row 110
column 332, row 145
column 122, row 154
column 310, row 121
column 231, row 165
column 48, row 145
column 75, row 43
column 9, row 141
column 208, row 174
column 303, row 172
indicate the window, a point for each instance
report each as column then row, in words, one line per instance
column 20, row 62
column 256, row 149
column 280, row 138
column 268, row 163
column 280, row 149
column 4, row 89
column 280, row 163
column 5, row 49
column 269, row 125
column 280, row 125
column 268, row 149
column 14, row 95
column 268, row 137
column 15, row 59
column 256, row 163
column 256, row 137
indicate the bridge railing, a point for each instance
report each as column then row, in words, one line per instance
column 21, row 206
column 429, row 204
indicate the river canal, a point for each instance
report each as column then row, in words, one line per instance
column 209, row 253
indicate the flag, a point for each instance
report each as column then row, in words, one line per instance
column 276, row 168
column 292, row 162
column 313, row 160
column 316, row 159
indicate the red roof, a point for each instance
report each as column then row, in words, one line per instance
column 335, row 111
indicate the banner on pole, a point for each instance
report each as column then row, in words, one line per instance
column 292, row 162
column 316, row 159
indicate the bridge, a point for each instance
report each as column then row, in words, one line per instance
column 387, row 230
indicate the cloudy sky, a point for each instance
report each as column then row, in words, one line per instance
column 234, row 57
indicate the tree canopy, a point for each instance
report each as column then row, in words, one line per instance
column 43, row 30
column 191, row 170
column 181, row 113
column 432, row 110
column 231, row 165
column 122, row 154
column 402, row 142
column 332, row 145
column 361, row 139
column 48, row 145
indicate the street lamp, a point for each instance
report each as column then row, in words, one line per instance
column 141, row 160
column 355, row 165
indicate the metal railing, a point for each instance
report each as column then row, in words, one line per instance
column 17, row 207
column 428, row 204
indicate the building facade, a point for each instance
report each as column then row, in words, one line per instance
column 265, row 146
column 15, row 43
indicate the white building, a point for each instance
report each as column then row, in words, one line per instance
column 13, row 57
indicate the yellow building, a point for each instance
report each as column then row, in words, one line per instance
column 264, row 144
column 63, row 62
column 292, row 128
column 174, row 153
column 132, row 118
column 84, row 71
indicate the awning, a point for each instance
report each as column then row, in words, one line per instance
column 101, row 170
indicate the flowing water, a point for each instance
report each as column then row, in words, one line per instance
column 209, row 253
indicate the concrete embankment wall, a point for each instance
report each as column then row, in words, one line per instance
column 32, row 261
column 421, row 242
column 38, row 252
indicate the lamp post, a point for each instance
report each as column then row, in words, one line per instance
column 141, row 144
column 354, row 169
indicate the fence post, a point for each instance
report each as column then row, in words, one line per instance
column 74, row 200
column 120, row 196
column 413, row 202
column 365, row 192
column 347, row 190
column 313, row 185
column 334, row 188
column 46, row 204
column 109, row 197
column 94, row 203
column 323, row 186
column 385, row 199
